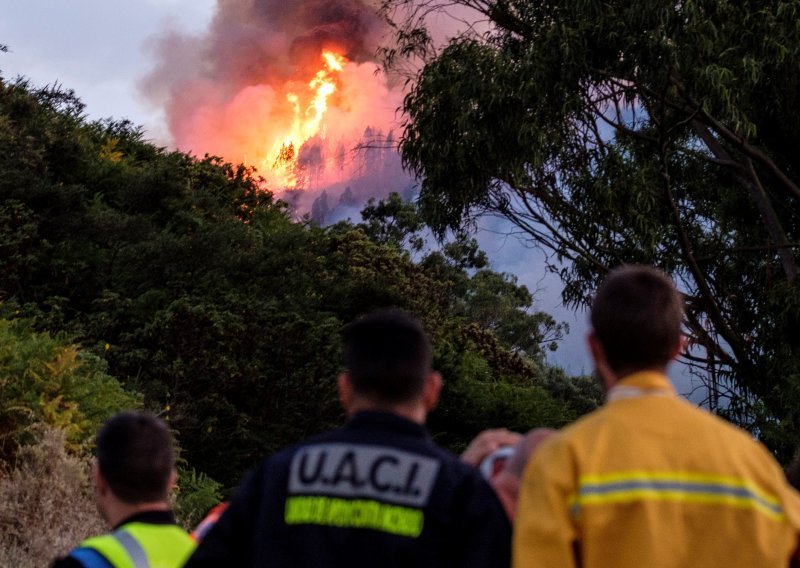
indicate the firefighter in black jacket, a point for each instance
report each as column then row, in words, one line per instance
column 377, row 492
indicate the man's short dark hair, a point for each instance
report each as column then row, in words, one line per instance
column 637, row 315
column 388, row 356
column 136, row 455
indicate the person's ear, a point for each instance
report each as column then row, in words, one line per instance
column 345, row 385
column 680, row 348
column 102, row 491
column 607, row 377
column 173, row 479
column 100, row 484
column 432, row 390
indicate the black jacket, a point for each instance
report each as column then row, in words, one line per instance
column 377, row 492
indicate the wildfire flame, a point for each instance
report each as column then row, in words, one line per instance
column 308, row 109
column 267, row 84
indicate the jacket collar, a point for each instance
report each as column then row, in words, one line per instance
column 642, row 383
column 387, row 421
column 151, row 518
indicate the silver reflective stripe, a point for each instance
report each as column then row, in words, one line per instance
column 357, row 471
column 133, row 548
column 621, row 392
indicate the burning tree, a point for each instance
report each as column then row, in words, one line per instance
column 285, row 156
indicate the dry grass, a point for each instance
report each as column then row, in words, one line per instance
column 46, row 504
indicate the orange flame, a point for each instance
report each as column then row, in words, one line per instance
column 299, row 132
column 306, row 122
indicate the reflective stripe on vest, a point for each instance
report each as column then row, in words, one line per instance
column 143, row 545
column 135, row 551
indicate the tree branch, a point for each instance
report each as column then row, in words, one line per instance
column 712, row 307
column 748, row 149
column 748, row 178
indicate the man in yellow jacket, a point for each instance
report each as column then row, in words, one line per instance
column 134, row 471
column 649, row 480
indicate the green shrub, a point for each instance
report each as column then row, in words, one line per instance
column 196, row 494
column 46, row 379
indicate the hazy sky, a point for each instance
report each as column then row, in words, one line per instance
column 99, row 48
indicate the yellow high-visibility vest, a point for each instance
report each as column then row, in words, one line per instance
column 142, row 545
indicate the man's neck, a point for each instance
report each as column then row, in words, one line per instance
column 625, row 372
column 119, row 511
column 415, row 412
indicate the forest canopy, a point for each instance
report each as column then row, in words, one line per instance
column 181, row 286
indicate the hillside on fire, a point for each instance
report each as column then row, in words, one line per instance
column 135, row 276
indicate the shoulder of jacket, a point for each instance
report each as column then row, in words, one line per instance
column 283, row 457
column 84, row 556
column 589, row 422
column 712, row 421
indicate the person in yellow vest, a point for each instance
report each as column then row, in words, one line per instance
column 649, row 479
column 133, row 473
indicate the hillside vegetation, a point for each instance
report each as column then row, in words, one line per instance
column 131, row 275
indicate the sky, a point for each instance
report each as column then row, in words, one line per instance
column 102, row 49
column 99, row 48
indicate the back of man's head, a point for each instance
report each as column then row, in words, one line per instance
column 136, row 456
column 388, row 356
column 636, row 316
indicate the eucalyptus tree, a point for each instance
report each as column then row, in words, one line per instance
column 660, row 131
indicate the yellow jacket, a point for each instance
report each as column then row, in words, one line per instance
column 650, row 481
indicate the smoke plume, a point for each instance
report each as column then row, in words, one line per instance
column 228, row 92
